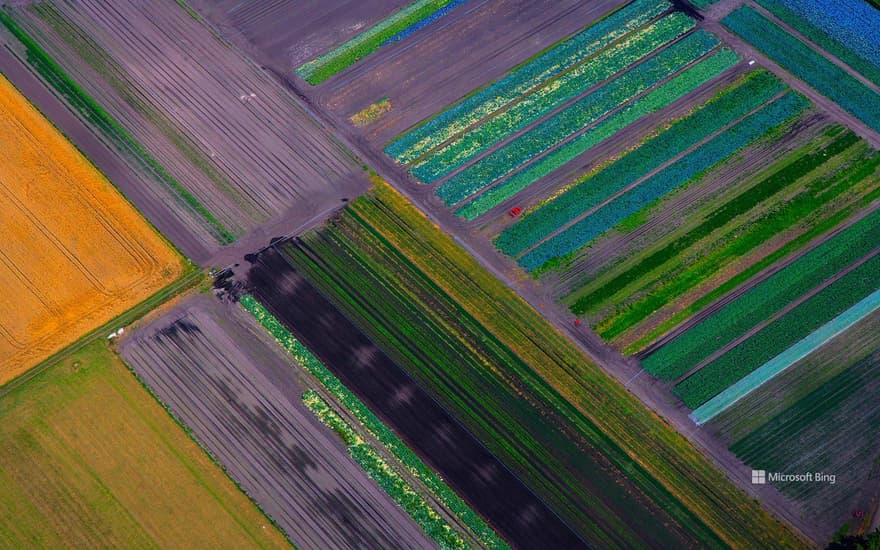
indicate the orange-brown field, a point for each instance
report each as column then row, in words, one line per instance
column 73, row 253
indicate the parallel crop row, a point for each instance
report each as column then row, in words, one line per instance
column 656, row 99
column 569, row 121
column 803, row 195
column 385, row 476
column 764, row 299
column 780, row 334
column 121, row 140
column 807, row 64
column 372, row 423
column 848, row 29
column 728, row 106
column 546, row 66
column 340, row 58
column 701, row 159
column 542, row 101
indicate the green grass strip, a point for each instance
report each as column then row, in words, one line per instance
column 542, row 101
column 522, row 79
column 764, row 299
column 89, row 109
column 766, row 372
column 782, row 333
column 371, row 422
column 384, row 475
column 340, row 58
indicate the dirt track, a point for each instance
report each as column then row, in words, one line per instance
column 241, row 397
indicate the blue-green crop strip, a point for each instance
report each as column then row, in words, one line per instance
column 549, row 64
column 569, row 121
column 698, row 161
column 541, row 102
column 807, row 64
column 728, row 106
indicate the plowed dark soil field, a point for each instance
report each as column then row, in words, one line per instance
column 240, row 396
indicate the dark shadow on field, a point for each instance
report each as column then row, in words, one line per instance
column 460, row 459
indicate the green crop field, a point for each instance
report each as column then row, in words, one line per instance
column 89, row 459
column 522, row 387
column 819, row 415
column 786, row 205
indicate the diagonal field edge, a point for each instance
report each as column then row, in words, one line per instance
column 787, row 358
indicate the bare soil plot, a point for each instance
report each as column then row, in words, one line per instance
column 241, row 397
column 291, row 32
column 231, row 136
column 89, row 459
column 74, row 254
column 474, row 44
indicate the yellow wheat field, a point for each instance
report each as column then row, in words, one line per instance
column 73, row 253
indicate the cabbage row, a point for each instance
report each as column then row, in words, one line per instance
column 559, row 58
column 678, row 173
column 764, row 299
column 849, row 29
column 806, row 64
column 573, row 118
column 731, row 104
column 541, row 102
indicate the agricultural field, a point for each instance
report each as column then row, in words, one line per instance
column 225, row 148
column 240, row 396
column 627, row 253
column 398, row 400
column 89, row 459
column 847, row 29
column 75, row 254
column 463, row 339
column 819, row 416
column 807, row 64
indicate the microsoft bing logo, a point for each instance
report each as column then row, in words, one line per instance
column 759, row 477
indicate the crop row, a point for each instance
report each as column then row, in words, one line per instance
column 340, row 58
column 419, row 25
column 803, row 348
column 778, row 439
column 656, row 99
column 764, row 299
column 807, row 64
column 95, row 115
column 688, row 167
column 547, row 98
column 780, row 334
column 729, row 105
column 848, row 29
column 544, row 368
column 569, row 121
column 861, row 190
column 545, row 66
column 372, row 423
column 805, row 209
column 384, row 475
